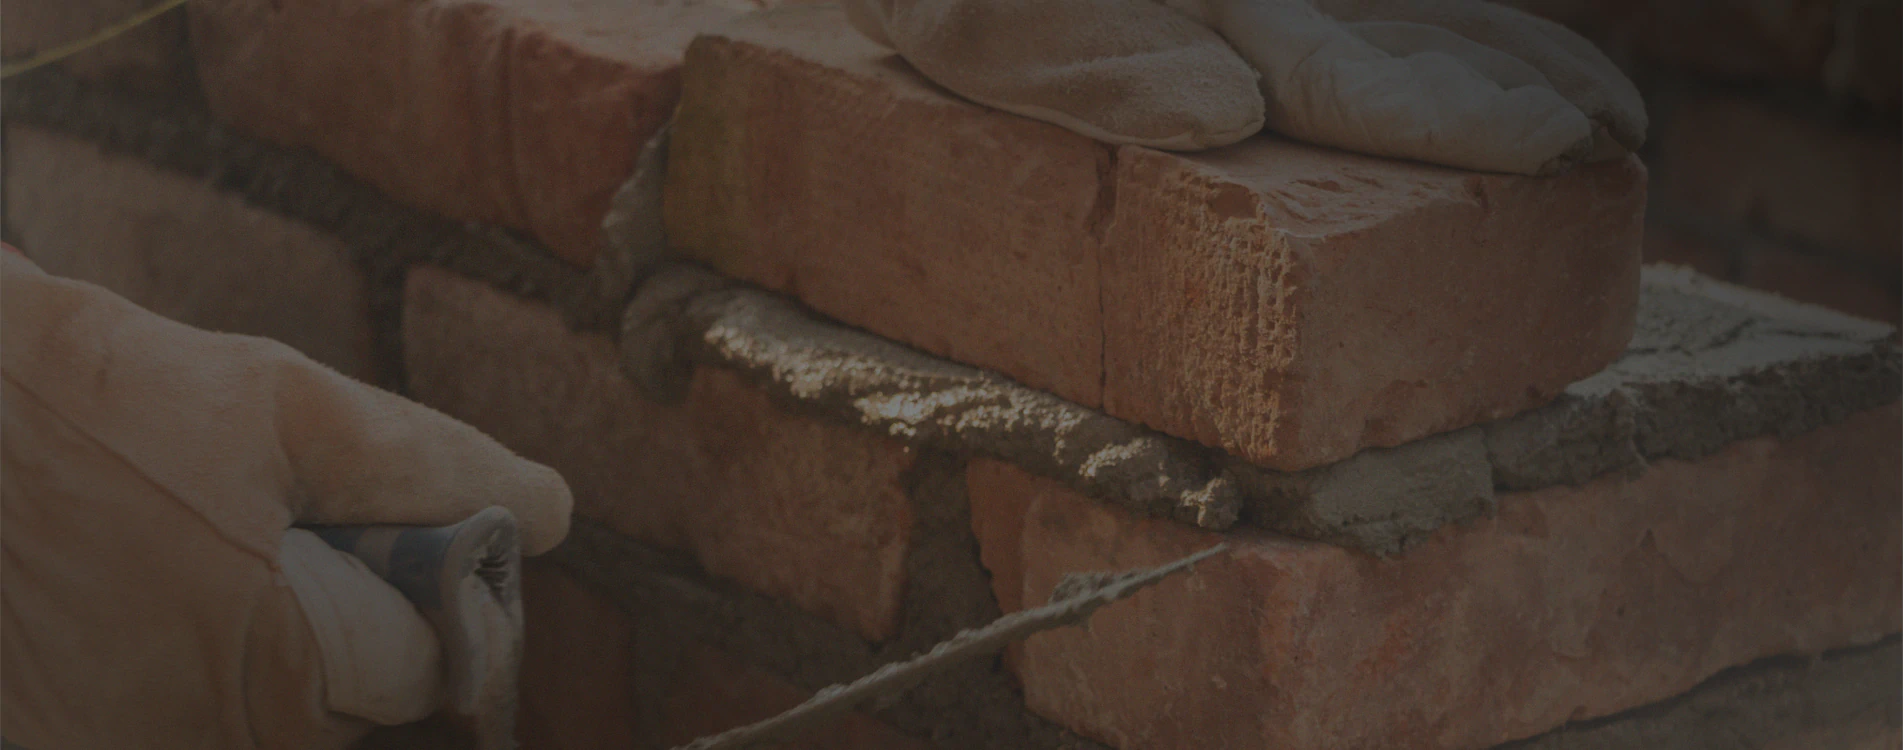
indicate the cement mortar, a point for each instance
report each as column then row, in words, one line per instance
column 685, row 317
column 1850, row 698
column 1710, row 364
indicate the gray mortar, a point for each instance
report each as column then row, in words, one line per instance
column 1779, row 701
column 633, row 238
column 683, row 317
column 1382, row 500
column 1709, row 365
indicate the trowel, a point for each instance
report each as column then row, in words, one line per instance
column 466, row 580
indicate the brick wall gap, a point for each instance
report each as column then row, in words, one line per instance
column 670, row 600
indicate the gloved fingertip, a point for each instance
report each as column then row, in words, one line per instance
column 544, row 508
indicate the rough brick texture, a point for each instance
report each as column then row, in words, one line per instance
column 1572, row 603
column 1210, row 297
column 183, row 249
column 151, row 59
column 523, row 113
column 809, row 511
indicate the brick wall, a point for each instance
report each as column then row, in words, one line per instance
column 828, row 394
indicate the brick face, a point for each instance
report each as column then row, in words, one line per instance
column 854, row 184
column 524, row 113
column 1293, row 305
column 1573, row 603
column 812, row 512
column 1192, row 294
column 181, row 248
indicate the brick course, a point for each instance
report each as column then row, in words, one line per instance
column 182, row 248
column 1185, row 293
column 806, row 510
column 527, row 114
column 1572, row 603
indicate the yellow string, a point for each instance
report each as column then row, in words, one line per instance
column 64, row 51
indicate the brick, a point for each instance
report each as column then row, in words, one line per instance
column 578, row 689
column 808, row 160
column 150, row 59
column 1739, row 161
column 812, row 512
column 1822, row 281
column 1293, row 305
column 179, row 247
column 523, row 113
column 1572, row 603
column 1206, row 296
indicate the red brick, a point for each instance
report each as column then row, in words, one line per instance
column 181, row 248
column 713, row 692
column 1294, row 305
column 808, row 160
column 1822, row 281
column 1736, row 160
column 1573, row 603
column 1211, row 296
column 150, row 59
column 809, row 511
column 522, row 113
column 578, row 666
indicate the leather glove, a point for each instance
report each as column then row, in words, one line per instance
column 1461, row 83
column 156, row 593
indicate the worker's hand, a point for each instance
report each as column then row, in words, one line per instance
column 1462, row 83
column 156, row 594
column 1120, row 71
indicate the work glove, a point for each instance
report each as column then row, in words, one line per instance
column 1121, row 71
column 1461, row 83
column 158, row 592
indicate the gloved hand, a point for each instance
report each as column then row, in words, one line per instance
column 1462, row 83
column 156, row 593
column 1121, row 71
